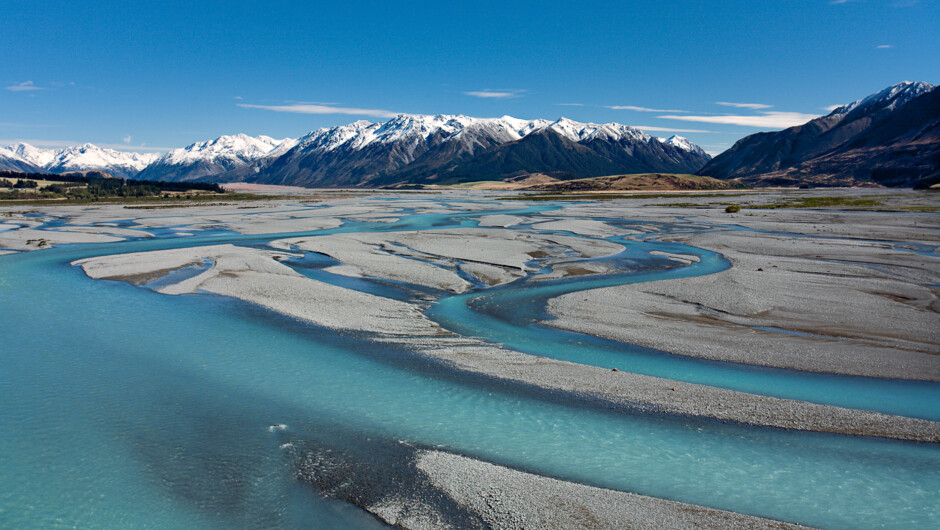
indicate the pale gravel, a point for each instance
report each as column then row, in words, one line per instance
column 653, row 394
column 585, row 227
column 20, row 239
column 514, row 500
column 224, row 257
column 493, row 256
column 495, row 247
column 363, row 256
column 491, row 274
column 105, row 229
column 537, row 498
column 492, row 246
column 576, row 269
column 270, row 224
column 253, row 275
column 875, row 321
column 500, row 220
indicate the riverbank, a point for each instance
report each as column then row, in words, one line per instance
column 256, row 276
column 835, row 292
column 860, row 267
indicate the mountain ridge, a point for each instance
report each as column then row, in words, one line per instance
column 406, row 147
column 416, row 149
column 877, row 140
column 85, row 157
column 889, row 138
column 212, row 157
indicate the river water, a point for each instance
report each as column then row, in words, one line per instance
column 122, row 407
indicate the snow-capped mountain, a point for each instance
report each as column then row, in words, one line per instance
column 406, row 127
column 25, row 157
column 34, row 155
column 424, row 148
column 89, row 156
column 405, row 149
column 212, row 157
column 11, row 160
column 682, row 143
column 200, row 159
column 888, row 99
column 890, row 138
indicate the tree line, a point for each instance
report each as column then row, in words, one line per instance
column 80, row 178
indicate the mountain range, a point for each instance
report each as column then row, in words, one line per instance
column 213, row 157
column 890, row 138
column 404, row 150
column 415, row 149
column 29, row 159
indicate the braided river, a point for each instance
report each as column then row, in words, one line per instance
column 124, row 407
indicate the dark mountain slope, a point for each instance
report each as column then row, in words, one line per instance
column 889, row 138
column 452, row 149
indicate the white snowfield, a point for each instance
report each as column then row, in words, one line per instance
column 360, row 134
column 233, row 151
column 240, row 149
column 894, row 96
column 80, row 158
column 682, row 143
column 237, row 148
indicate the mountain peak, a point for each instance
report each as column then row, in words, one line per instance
column 890, row 98
column 684, row 144
column 416, row 148
column 211, row 157
column 82, row 157
column 363, row 148
column 888, row 138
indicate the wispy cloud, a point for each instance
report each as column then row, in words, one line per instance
column 715, row 149
column 831, row 108
column 668, row 129
column 641, row 109
column 25, row 86
column 323, row 109
column 495, row 94
column 884, row 47
column 755, row 106
column 766, row 120
column 324, row 103
column 237, row 97
column 126, row 139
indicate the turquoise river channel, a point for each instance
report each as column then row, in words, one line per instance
column 121, row 407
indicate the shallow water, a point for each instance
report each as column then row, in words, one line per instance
column 122, row 407
column 504, row 315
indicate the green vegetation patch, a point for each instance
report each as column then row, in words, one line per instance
column 925, row 209
column 822, row 202
column 78, row 188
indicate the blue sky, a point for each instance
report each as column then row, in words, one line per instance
column 155, row 75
